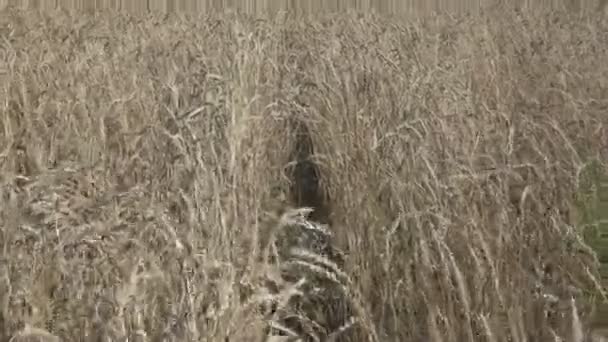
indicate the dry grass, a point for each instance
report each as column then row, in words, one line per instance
column 143, row 191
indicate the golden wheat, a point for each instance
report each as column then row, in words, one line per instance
column 146, row 173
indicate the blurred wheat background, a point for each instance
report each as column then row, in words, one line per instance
column 266, row 7
column 352, row 175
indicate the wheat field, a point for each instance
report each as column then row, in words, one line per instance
column 350, row 177
column 400, row 8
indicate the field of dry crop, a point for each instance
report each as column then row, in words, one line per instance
column 152, row 170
